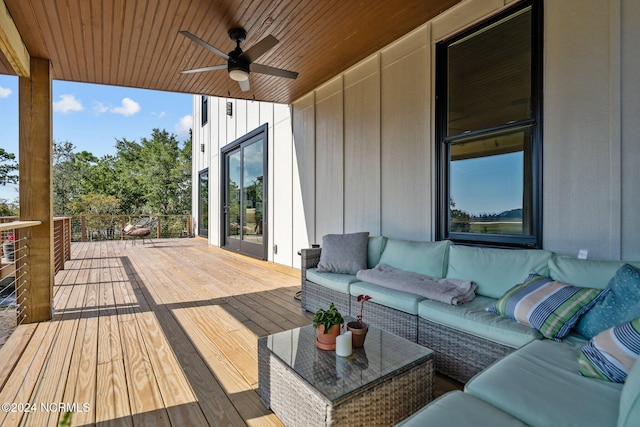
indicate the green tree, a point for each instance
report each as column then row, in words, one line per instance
column 164, row 175
column 8, row 167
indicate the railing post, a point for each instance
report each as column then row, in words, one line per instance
column 189, row 225
column 83, row 228
column 158, row 229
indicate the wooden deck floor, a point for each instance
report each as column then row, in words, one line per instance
column 162, row 335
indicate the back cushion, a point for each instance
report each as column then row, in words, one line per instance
column 495, row 271
column 428, row 258
column 374, row 250
column 589, row 273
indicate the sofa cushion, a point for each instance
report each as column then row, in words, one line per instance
column 474, row 319
column 584, row 272
column 391, row 298
column 460, row 410
column 620, row 305
column 374, row 250
column 550, row 306
column 428, row 258
column 336, row 281
column 495, row 270
column 344, row 253
column 539, row 384
column 611, row 354
column 629, row 415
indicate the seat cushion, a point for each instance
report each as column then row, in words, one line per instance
column 474, row 319
column 459, row 409
column 336, row 281
column 391, row 298
column 428, row 258
column 495, row 270
column 539, row 384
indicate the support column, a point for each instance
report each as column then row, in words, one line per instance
column 36, row 189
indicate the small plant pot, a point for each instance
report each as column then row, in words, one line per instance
column 327, row 341
column 8, row 249
column 358, row 333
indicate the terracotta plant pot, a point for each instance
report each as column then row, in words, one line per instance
column 358, row 333
column 327, row 341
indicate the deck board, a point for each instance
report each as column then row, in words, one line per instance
column 161, row 334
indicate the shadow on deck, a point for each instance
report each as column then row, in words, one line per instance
column 162, row 334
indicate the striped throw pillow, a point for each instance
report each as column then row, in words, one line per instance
column 610, row 355
column 549, row 306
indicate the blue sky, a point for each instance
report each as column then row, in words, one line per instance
column 92, row 116
column 488, row 184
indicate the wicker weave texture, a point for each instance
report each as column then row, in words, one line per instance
column 391, row 320
column 459, row 355
column 296, row 403
column 315, row 297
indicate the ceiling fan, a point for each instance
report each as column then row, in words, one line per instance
column 240, row 64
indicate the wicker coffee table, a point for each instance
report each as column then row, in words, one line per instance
column 380, row 384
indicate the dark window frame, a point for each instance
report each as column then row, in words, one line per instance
column 203, row 232
column 204, row 110
column 534, row 239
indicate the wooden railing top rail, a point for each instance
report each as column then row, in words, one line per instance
column 18, row 224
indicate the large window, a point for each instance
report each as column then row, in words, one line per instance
column 488, row 111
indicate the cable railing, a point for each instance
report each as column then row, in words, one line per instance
column 13, row 266
column 87, row 228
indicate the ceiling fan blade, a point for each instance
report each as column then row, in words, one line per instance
column 258, row 49
column 205, row 45
column 211, row 68
column 272, row 71
column 244, row 85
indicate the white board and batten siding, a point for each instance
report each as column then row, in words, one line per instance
column 358, row 152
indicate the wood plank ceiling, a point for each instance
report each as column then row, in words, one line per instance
column 136, row 43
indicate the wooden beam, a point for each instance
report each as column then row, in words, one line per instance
column 11, row 43
column 36, row 190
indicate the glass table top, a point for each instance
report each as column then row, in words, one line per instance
column 335, row 377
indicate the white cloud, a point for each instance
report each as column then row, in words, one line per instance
column 183, row 126
column 66, row 104
column 4, row 92
column 100, row 108
column 129, row 107
column 159, row 115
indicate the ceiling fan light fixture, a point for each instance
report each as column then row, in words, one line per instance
column 238, row 75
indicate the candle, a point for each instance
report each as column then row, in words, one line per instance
column 343, row 344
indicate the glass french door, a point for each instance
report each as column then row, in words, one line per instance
column 203, row 203
column 244, row 207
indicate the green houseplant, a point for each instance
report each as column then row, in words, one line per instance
column 327, row 323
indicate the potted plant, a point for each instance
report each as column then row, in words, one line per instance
column 358, row 328
column 8, row 248
column 327, row 323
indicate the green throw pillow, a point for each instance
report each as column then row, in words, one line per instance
column 549, row 306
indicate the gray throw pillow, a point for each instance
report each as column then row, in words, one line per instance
column 344, row 253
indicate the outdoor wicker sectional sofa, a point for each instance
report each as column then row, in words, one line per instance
column 519, row 377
